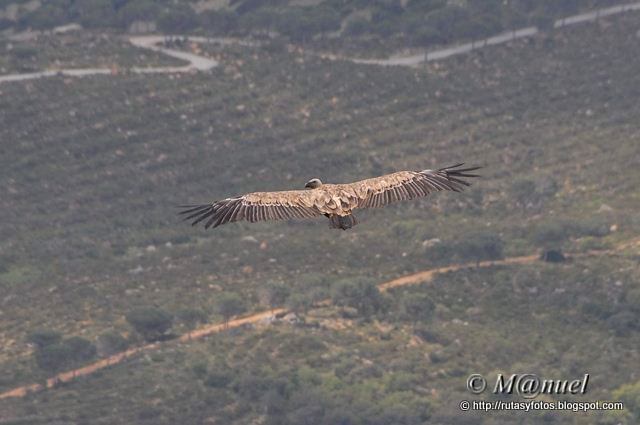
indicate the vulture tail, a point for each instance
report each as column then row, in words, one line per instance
column 343, row 222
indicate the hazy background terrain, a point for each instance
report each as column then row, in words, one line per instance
column 94, row 260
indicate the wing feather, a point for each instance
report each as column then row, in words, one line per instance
column 405, row 185
column 252, row 207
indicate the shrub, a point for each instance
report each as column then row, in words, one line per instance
column 230, row 304
column 150, row 322
column 44, row 337
column 53, row 357
column 552, row 256
column 64, row 354
column 359, row 293
column 80, row 349
column 110, row 343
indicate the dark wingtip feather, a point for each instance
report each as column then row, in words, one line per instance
column 193, row 208
column 455, row 174
column 197, row 212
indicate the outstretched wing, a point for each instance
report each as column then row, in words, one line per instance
column 404, row 185
column 256, row 206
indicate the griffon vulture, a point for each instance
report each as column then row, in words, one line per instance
column 335, row 201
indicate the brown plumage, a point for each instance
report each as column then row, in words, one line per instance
column 336, row 201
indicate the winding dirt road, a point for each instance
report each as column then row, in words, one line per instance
column 411, row 279
column 120, row 357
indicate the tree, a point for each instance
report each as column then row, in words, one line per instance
column 359, row 293
column 53, row 357
column 80, row 349
column 191, row 317
column 64, row 354
column 43, row 337
column 230, row 304
column 150, row 322
column 110, row 343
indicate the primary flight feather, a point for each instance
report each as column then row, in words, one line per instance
column 335, row 201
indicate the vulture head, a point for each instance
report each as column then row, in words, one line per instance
column 313, row 184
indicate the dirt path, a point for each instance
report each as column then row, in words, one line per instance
column 118, row 358
column 428, row 275
column 411, row 279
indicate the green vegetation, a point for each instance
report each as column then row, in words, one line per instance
column 152, row 323
column 64, row 354
column 336, row 24
column 111, row 342
column 94, row 167
column 360, row 294
column 230, row 304
column 43, row 337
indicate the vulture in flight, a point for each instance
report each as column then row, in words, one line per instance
column 335, row 201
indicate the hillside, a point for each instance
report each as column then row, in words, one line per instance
column 93, row 168
column 354, row 26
